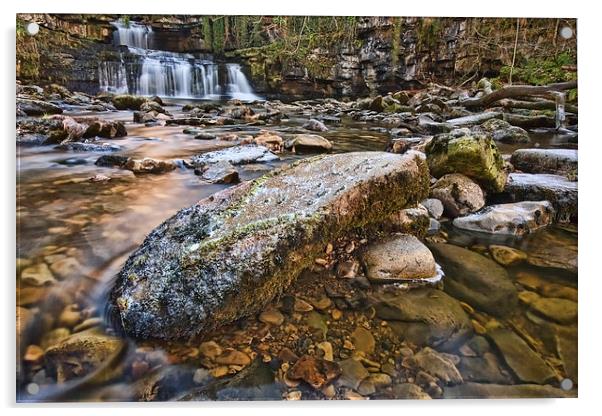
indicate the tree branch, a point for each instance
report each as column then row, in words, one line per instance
column 514, row 91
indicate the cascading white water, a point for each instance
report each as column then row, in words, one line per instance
column 112, row 77
column 167, row 74
column 238, row 85
column 132, row 34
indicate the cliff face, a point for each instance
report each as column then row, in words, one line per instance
column 383, row 53
column 390, row 53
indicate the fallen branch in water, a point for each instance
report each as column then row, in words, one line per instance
column 536, row 105
column 515, row 91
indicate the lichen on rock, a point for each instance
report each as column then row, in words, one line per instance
column 474, row 155
column 230, row 254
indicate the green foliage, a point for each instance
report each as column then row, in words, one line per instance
column 20, row 29
column 428, row 33
column 28, row 56
column 541, row 71
column 219, row 34
column 286, row 41
column 396, row 40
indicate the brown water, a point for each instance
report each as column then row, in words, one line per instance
column 83, row 231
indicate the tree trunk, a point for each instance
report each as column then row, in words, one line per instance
column 514, row 91
column 536, row 105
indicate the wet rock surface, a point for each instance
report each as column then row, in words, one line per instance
column 483, row 391
column 459, row 194
column 502, row 131
column 238, row 155
column 510, row 219
column 475, row 156
column 552, row 250
column 426, row 317
column 476, row 279
column 556, row 189
column 308, row 143
column 219, row 172
column 81, row 354
column 234, row 221
column 404, row 258
column 37, row 107
column 524, row 362
column 392, row 340
column 555, row 161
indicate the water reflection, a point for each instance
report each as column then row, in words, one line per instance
column 78, row 233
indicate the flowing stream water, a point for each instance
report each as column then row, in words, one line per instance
column 83, row 231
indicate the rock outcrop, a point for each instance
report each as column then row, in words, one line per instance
column 228, row 255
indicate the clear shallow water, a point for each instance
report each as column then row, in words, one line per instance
column 83, row 231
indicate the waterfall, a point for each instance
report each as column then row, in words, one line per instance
column 131, row 34
column 168, row 74
column 112, row 77
column 238, row 85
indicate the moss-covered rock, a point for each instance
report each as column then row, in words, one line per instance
column 230, row 254
column 128, row 102
column 475, row 156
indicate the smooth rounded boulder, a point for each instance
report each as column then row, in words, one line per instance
column 459, row 194
column 308, row 143
column 230, row 254
column 401, row 259
column 518, row 219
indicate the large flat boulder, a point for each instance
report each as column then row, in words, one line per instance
column 236, row 155
column 557, row 161
column 37, row 107
column 557, row 189
column 230, row 254
column 525, row 363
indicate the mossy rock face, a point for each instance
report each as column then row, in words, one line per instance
column 475, row 156
column 128, row 102
column 230, row 254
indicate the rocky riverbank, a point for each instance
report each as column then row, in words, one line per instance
column 400, row 246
